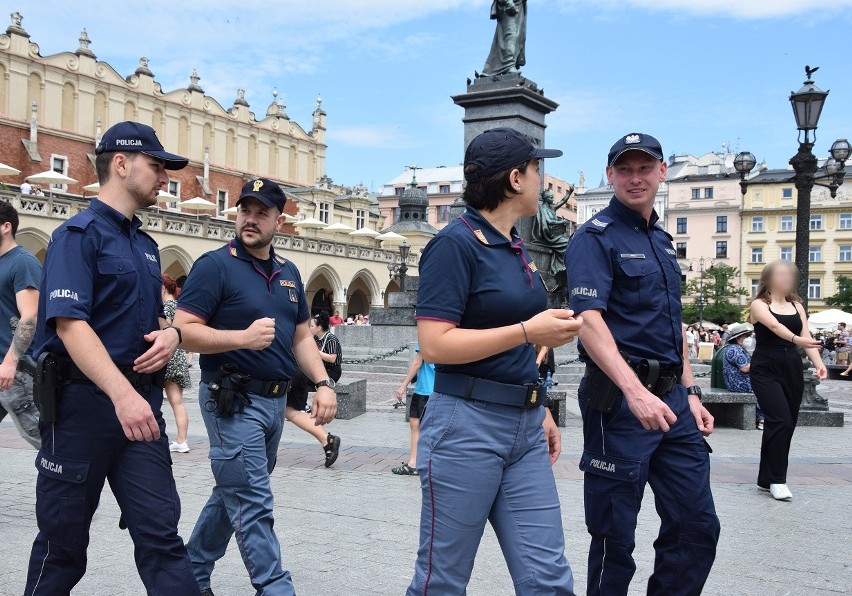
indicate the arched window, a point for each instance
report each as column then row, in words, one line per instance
column 312, row 168
column 252, row 154
column 3, row 89
column 293, row 164
column 34, row 93
column 273, row 159
column 183, row 135
column 158, row 122
column 230, row 147
column 130, row 111
column 101, row 111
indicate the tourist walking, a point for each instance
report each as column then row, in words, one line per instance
column 736, row 364
column 297, row 399
column 841, row 344
column 781, row 328
column 243, row 308
column 692, row 342
column 20, row 278
column 177, row 371
column 484, row 443
column 100, row 322
column 425, row 373
column 643, row 421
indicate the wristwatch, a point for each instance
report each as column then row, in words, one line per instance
column 694, row 390
column 326, row 383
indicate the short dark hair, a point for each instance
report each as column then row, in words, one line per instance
column 9, row 214
column 489, row 192
column 103, row 161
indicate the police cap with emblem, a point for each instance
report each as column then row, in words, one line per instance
column 135, row 137
column 266, row 191
column 498, row 150
column 635, row 141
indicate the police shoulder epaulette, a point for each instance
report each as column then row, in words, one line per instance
column 660, row 227
column 598, row 224
column 81, row 221
column 280, row 260
column 147, row 235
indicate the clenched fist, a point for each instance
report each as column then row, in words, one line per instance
column 260, row 334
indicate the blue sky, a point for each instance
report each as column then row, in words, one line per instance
column 695, row 73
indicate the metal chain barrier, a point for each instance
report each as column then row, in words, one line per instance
column 378, row 357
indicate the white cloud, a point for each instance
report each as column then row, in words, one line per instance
column 747, row 9
column 373, row 136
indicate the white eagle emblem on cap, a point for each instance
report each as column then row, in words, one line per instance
column 632, row 139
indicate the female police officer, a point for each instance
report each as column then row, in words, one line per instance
column 485, row 439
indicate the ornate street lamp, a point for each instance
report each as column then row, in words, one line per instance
column 398, row 270
column 807, row 105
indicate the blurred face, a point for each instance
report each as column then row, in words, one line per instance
column 256, row 223
column 314, row 328
column 144, row 177
column 782, row 280
column 635, row 178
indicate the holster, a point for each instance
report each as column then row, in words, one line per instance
column 601, row 391
column 46, row 383
column 228, row 391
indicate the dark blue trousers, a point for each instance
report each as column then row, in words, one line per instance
column 83, row 449
column 619, row 458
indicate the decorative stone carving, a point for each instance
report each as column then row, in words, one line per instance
column 193, row 82
column 143, row 69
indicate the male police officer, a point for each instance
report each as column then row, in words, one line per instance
column 642, row 417
column 243, row 308
column 99, row 325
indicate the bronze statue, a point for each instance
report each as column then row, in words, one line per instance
column 507, row 54
column 549, row 230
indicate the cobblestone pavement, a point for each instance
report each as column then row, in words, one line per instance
column 352, row 530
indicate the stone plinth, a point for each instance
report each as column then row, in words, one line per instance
column 820, row 418
column 351, row 398
column 400, row 308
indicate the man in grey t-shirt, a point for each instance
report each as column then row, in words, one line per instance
column 20, row 277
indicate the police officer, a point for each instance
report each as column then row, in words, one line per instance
column 243, row 308
column 100, row 315
column 642, row 415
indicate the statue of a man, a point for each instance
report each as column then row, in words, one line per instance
column 548, row 230
column 507, row 54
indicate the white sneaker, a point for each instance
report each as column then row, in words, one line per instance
column 179, row 447
column 780, row 492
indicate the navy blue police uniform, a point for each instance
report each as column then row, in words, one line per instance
column 627, row 268
column 229, row 289
column 102, row 268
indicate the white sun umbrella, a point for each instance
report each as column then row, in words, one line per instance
column 310, row 222
column 289, row 218
column 165, row 197
column 229, row 211
column 338, row 228
column 51, row 177
column 198, row 204
column 364, row 232
column 93, row 187
column 391, row 238
column 8, row 170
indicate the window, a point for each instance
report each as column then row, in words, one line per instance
column 222, row 200
column 59, row 164
column 708, row 192
column 757, row 223
column 681, row 250
column 786, row 223
column 814, row 288
column 174, row 189
column 360, row 219
column 815, row 254
column 722, row 249
column 844, row 252
column 324, row 212
column 845, row 221
column 445, row 189
column 786, row 253
column 399, row 190
column 696, row 193
column 816, row 221
column 756, row 255
column 443, row 213
column 681, row 225
column 721, row 224
column 754, row 285
column 397, row 214
column 787, row 193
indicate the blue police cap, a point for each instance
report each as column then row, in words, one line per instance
column 135, row 137
column 501, row 149
column 266, row 191
column 635, row 141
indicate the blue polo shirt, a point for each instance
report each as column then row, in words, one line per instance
column 19, row 270
column 101, row 268
column 626, row 268
column 229, row 290
column 475, row 278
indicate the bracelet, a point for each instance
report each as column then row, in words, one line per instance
column 793, row 339
column 524, row 329
column 179, row 333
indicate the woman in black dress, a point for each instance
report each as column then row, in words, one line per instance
column 781, row 328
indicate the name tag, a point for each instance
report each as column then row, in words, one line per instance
column 632, row 255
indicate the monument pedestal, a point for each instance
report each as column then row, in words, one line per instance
column 400, row 308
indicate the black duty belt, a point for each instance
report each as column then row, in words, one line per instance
column 468, row 387
column 68, row 372
column 261, row 387
column 653, row 377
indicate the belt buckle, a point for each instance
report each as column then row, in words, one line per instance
column 534, row 396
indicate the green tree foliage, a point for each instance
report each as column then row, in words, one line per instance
column 843, row 298
column 714, row 289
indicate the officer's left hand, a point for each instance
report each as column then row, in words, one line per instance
column 158, row 355
column 552, row 436
column 324, row 408
column 821, row 373
column 7, row 373
column 703, row 419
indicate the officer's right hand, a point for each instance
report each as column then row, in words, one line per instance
column 136, row 418
column 650, row 410
column 260, row 334
column 553, row 327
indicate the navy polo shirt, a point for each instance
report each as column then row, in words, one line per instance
column 102, row 269
column 622, row 266
column 229, row 290
column 475, row 278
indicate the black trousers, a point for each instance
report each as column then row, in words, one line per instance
column 777, row 379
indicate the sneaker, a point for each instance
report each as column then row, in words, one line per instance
column 780, row 492
column 405, row 470
column 179, row 447
column 760, row 425
column 764, row 489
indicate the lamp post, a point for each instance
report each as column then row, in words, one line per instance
column 807, row 105
column 399, row 270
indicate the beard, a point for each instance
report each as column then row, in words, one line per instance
column 143, row 197
column 260, row 240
